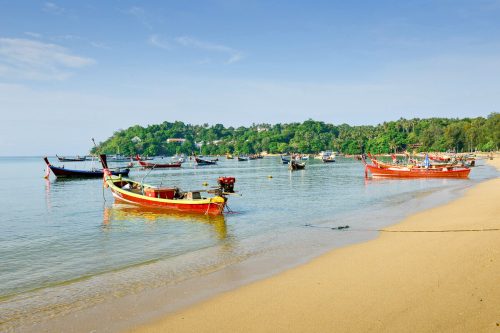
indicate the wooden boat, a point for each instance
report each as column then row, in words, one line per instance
column 200, row 161
column 378, row 170
column 242, row 159
column 440, row 158
column 169, row 198
column 413, row 164
column 329, row 159
column 284, row 160
column 72, row 173
column 71, row 159
column 149, row 165
column 295, row 165
column 119, row 158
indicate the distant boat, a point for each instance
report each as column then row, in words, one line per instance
column 150, row 165
column 72, row 173
column 200, row 161
column 324, row 154
column 71, row 159
column 118, row 158
column 329, row 159
column 284, row 160
column 294, row 165
column 242, row 159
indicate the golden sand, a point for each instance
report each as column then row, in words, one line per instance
column 399, row 282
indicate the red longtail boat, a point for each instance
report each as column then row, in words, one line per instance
column 378, row 169
column 150, row 165
column 169, row 198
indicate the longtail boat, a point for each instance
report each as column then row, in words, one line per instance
column 440, row 158
column 413, row 163
column 284, row 160
column 395, row 171
column 71, row 159
column 200, row 161
column 169, row 198
column 149, row 165
column 72, row 173
column 294, row 165
column 329, row 159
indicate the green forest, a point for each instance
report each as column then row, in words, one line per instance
column 310, row 136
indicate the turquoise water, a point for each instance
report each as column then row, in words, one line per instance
column 65, row 244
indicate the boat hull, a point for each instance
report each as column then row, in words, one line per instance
column 417, row 172
column 209, row 206
column 200, row 161
column 159, row 166
column 70, row 173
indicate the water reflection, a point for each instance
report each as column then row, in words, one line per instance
column 123, row 212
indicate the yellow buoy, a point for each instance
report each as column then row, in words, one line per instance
column 205, row 184
column 269, row 176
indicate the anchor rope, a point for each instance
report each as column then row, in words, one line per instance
column 400, row 231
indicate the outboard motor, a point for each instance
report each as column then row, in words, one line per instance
column 226, row 184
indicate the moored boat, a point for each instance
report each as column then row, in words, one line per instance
column 71, row 159
column 284, row 160
column 329, row 159
column 72, row 173
column 150, row 165
column 295, row 165
column 200, row 161
column 395, row 171
column 169, row 198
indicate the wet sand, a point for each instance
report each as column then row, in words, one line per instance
column 437, row 271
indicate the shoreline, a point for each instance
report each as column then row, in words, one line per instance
column 378, row 285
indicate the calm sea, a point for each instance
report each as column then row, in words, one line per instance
column 65, row 245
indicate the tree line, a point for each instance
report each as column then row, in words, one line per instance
column 310, row 136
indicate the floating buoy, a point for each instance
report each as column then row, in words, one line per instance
column 269, row 176
column 205, row 184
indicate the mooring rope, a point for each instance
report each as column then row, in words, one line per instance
column 401, row 231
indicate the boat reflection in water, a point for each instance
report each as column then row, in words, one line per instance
column 120, row 212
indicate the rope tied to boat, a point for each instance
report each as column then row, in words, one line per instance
column 400, row 231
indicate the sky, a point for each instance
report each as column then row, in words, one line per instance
column 75, row 70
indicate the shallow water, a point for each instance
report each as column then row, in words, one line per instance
column 64, row 244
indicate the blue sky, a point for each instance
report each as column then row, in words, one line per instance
column 72, row 70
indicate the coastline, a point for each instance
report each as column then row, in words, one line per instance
column 417, row 281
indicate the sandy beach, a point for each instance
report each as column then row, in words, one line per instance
column 437, row 271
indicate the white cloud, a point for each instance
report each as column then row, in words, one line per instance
column 34, row 60
column 52, row 8
column 155, row 40
column 100, row 45
column 33, row 34
column 184, row 41
column 140, row 14
column 234, row 55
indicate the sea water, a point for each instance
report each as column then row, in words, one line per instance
column 65, row 245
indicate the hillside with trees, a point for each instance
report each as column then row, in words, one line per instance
column 310, row 136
